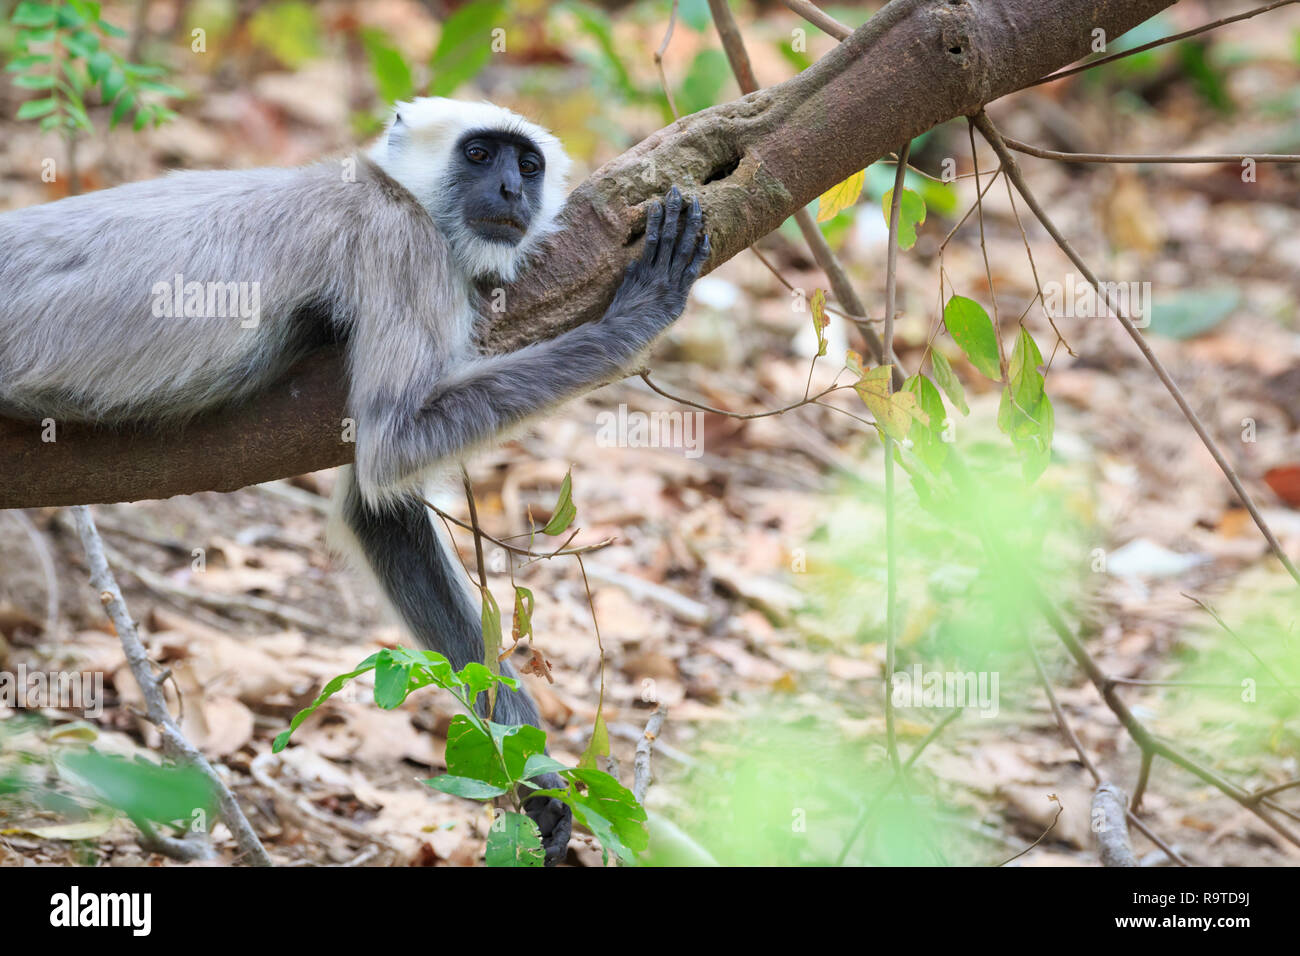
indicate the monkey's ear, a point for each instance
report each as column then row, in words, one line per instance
column 397, row 132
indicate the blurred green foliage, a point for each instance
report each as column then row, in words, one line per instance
column 63, row 50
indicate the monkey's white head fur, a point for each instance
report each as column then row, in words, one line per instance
column 416, row 151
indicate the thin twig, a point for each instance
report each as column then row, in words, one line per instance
column 1060, row 808
column 515, row 549
column 819, row 18
column 174, row 742
column 734, row 45
column 659, row 59
column 869, row 810
column 744, row 416
column 1240, row 640
column 1013, row 172
column 1155, row 158
column 1060, row 74
column 1068, row 731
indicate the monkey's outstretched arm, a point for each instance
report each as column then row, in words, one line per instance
column 494, row 393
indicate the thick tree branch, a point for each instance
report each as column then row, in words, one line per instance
column 753, row 162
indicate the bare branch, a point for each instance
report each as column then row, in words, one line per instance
column 752, row 162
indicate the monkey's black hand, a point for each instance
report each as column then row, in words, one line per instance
column 552, row 817
column 654, row 289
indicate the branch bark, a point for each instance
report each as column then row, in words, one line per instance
column 753, row 162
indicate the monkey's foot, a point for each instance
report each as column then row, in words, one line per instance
column 553, row 818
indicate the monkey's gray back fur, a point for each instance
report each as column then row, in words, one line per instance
column 79, row 281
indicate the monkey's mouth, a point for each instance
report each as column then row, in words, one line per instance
column 499, row 227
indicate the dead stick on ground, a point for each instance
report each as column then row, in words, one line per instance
column 641, row 764
column 1108, row 822
column 174, row 743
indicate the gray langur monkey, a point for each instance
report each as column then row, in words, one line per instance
column 383, row 261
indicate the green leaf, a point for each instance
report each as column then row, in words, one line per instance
column 473, row 753
column 140, row 789
column 518, row 742
column 33, row 15
column 113, row 82
column 466, row 787
column 290, row 31
column 470, row 753
column 465, row 45
column 81, row 44
column 478, row 678
column 702, row 86
column 514, row 840
column 972, row 330
column 166, row 89
column 608, row 809
column 330, row 689
column 138, row 70
column 98, row 65
column 1026, row 414
column 112, row 29
column 565, row 510
column 538, row 764
column 927, row 439
column 1187, row 314
column 68, row 17
column 695, row 14
column 911, row 213
column 34, row 108
column 34, row 81
column 392, row 679
column 596, row 23
column 389, row 67
column 121, row 107
column 30, row 60
column 947, row 380
column 598, row 746
column 88, row 9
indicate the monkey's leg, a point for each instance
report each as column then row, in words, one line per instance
column 422, row 581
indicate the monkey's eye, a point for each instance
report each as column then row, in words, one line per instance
column 529, row 167
column 476, row 154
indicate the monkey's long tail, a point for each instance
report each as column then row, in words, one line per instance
column 423, row 583
column 416, row 571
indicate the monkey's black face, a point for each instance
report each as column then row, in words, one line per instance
column 496, row 180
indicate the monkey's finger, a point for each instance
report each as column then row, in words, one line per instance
column 653, row 225
column 689, row 238
column 672, row 209
column 701, row 257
